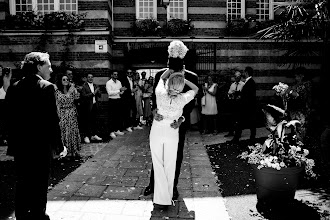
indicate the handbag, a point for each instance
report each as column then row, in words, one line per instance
column 203, row 100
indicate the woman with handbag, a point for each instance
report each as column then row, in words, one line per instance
column 209, row 106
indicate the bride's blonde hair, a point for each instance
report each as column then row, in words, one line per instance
column 175, row 83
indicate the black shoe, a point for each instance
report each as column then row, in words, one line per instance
column 161, row 207
column 229, row 134
column 175, row 194
column 148, row 190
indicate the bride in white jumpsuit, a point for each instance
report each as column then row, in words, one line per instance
column 164, row 139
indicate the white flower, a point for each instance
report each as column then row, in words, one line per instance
column 177, row 49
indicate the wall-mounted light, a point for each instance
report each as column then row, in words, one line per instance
column 165, row 3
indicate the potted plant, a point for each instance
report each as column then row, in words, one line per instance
column 146, row 27
column 280, row 160
column 177, row 27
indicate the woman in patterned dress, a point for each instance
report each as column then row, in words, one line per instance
column 66, row 94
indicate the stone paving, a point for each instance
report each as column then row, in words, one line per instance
column 110, row 184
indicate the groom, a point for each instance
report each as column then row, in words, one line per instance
column 176, row 64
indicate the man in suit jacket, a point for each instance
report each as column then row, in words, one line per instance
column 128, row 101
column 89, row 107
column 34, row 133
column 248, row 110
column 176, row 64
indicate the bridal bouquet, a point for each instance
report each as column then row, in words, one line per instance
column 177, row 49
column 281, row 88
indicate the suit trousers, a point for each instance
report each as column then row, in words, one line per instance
column 31, row 185
column 182, row 136
column 164, row 147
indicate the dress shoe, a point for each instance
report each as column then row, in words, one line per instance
column 96, row 138
column 86, row 140
column 112, row 134
column 148, row 190
column 119, row 133
column 175, row 194
column 129, row 129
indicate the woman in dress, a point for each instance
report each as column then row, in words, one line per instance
column 66, row 94
column 137, row 87
column 210, row 110
column 163, row 138
column 147, row 92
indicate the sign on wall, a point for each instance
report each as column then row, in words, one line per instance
column 101, row 46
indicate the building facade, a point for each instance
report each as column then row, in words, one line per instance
column 111, row 40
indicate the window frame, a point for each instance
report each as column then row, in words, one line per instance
column 185, row 10
column 137, row 11
column 273, row 4
column 12, row 6
column 242, row 10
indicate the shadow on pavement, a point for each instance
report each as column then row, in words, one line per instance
column 293, row 210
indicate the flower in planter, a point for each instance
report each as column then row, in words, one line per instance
column 147, row 26
column 177, row 26
column 282, row 148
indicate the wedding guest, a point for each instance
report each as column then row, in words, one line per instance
column 115, row 90
column 137, row 87
column 128, row 101
column 33, row 117
column 234, row 95
column 66, row 94
column 210, row 109
column 90, row 93
column 248, row 107
column 147, row 93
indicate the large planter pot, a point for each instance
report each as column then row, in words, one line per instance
column 276, row 185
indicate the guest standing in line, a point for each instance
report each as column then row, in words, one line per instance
column 90, row 93
column 5, row 78
column 115, row 90
column 234, row 96
column 137, row 88
column 33, row 117
column 147, row 94
column 248, row 107
column 210, row 109
column 66, row 94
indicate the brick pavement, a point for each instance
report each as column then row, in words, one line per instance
column 110, row 184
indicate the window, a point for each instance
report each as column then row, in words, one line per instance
column 177, row 9
column 43, row 6
column 235, row 9
column 263, row 10
column 146, row 9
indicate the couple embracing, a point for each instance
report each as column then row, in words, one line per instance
column 175, row 89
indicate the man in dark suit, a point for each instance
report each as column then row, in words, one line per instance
column 34, row 133
column 248, row 110
column 89, row 107
column 175, row 64
column 128, row 101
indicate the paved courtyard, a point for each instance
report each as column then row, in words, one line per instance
column 110, row 184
